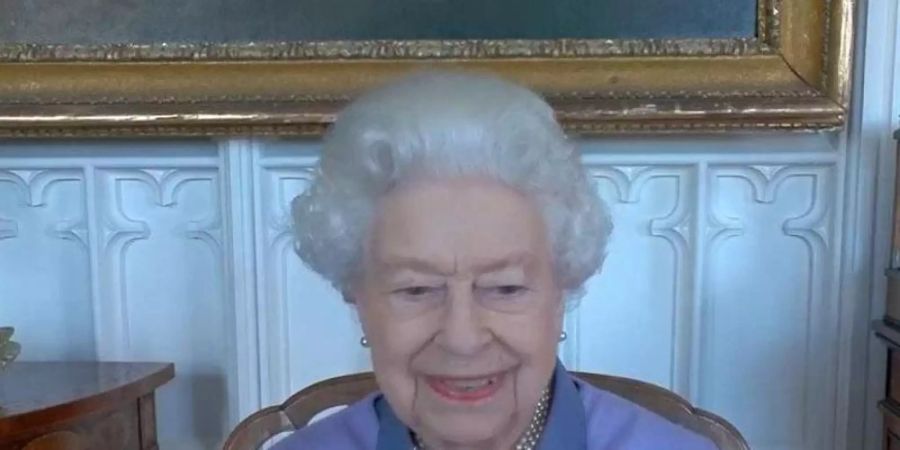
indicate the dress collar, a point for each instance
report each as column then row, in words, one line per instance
column 566, row 427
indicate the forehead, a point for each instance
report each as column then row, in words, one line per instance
column 459, row 221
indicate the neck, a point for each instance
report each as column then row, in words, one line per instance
column 506, row 442
column 523, row 437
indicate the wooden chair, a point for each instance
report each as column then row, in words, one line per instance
column 297, row 411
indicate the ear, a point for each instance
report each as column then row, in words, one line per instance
column 351, row 289
column 561, row 303
column 351, row 297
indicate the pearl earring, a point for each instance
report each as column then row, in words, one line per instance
column 364, row 342
column 563, row 336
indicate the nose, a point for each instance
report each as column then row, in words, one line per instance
column 463, row 331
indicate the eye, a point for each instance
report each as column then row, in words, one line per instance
column 506, row 297
column 507, row 290
column 419, row 292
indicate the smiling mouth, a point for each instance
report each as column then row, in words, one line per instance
column 466, row 389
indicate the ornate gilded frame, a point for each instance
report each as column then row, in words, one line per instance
column 794, row 75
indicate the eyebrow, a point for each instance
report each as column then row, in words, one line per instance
column 523, row 259
column 399, row 262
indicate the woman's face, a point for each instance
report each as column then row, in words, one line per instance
column 459, row 302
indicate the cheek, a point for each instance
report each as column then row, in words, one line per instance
column 393, row 343
column 533, row 337
column 394, row 348
column 397, row 345
column 534, row 340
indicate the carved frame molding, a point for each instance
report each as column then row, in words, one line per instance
column 794, row 75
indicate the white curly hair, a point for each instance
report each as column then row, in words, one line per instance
column 446, row 124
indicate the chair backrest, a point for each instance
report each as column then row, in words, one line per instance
column 671, row 406
column 300, row 408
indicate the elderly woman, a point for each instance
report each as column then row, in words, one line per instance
column 453, row 213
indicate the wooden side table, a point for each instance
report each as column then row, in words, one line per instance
column 80, row 406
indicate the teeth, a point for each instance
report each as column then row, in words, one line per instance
column 470, row 385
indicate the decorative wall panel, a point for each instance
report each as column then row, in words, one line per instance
column 720, row 281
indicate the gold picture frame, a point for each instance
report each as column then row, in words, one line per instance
column 795, row 74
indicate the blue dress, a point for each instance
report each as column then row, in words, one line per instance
column 581, row 417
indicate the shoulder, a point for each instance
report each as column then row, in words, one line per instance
column 615, row 423
column 352, row 428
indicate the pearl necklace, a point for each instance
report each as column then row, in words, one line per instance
column 532, row 435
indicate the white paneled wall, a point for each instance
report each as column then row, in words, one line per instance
column 743, row 270
column 41, row 253
column 718, row 282
column 114, row 251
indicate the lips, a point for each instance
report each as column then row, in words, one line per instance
column 466, row 389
